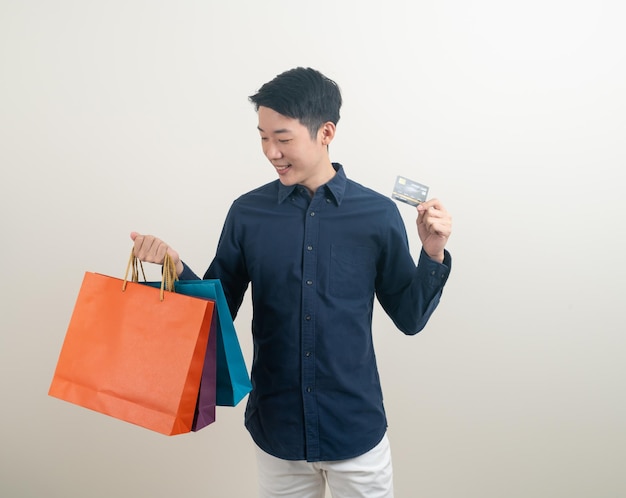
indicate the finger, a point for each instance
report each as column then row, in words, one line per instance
column 436, row 212
column 420, row 214
column 442, row 229
column 431, row 203
column 137, row 246
column 439, row 226
column 154, row 249
column 143, row 248
column 427, row 216
column 159, row 252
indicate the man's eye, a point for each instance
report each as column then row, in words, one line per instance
column 264, row 139
column 287, row 140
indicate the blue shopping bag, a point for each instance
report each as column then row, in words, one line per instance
column 233, row 380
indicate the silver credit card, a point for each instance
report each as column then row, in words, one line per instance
column 408, row 191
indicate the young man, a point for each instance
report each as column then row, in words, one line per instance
column 316, row 248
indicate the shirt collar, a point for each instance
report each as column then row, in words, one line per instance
column 336, row 187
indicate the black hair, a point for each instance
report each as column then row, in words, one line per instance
column 304, row 94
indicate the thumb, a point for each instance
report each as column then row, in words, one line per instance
column 133, row 235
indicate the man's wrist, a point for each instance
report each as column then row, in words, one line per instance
column 439, row 257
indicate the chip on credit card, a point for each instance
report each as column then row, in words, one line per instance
column 409, row 191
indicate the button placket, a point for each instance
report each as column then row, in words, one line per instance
column 309, row 292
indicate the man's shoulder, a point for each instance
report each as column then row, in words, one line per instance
column 266, row 192
column 360, row 192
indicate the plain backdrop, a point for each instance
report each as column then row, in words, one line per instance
column 133, row 115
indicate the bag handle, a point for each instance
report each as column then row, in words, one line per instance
column 169, row 275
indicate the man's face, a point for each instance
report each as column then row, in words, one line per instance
column 297, row 158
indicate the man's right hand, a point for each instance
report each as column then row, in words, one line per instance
column 150, row 249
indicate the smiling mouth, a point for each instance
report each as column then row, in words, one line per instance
column 282, row 169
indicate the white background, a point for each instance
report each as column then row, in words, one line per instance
column 133, row 115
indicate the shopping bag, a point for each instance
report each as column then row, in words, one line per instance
column 233, row 380
column 135, row 353
column 205, row 407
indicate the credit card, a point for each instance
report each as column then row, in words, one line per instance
column 409, row 191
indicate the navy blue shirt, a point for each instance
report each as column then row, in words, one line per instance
column 315, row 265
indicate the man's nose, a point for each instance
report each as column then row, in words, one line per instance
column 272, row 151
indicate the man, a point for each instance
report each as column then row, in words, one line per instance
column 316, row 248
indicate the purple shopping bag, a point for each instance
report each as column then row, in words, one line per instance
column 205, row 408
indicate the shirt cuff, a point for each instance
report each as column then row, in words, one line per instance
column 437, row 273
column 187, row 273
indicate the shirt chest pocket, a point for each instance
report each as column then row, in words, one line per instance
column 352, row 271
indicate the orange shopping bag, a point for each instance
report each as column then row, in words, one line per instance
column 134, row 352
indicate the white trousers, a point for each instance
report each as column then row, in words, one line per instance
column 368, row 476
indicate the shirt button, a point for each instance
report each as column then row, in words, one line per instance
column 309, row 248
column 307, row 318
column 309, row 389
column 307, row 354
column 327, row 200
column 312, row 213
column 309, row 282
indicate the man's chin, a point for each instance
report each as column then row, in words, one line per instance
column 286, row 181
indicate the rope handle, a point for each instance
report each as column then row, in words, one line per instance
column 168, row 279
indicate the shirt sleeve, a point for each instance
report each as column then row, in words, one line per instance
column 229, row 264
column 408, row 293
column 187, row 273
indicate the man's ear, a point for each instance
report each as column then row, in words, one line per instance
column 327, row 132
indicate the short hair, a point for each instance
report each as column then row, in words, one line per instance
column 304, row 94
